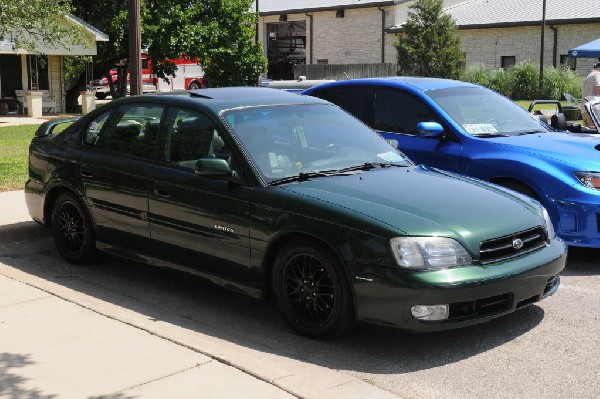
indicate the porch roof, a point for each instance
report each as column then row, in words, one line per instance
column 91, row 37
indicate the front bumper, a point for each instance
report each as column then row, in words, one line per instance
column 476, row 294
column 578, row 216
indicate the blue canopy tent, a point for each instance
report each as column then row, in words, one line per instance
column 586, row 50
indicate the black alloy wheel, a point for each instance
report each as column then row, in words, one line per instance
column 312, row 290
column 72, row 229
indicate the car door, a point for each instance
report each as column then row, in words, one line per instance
column 120, row 149
column 396, row 114
column 199, row 221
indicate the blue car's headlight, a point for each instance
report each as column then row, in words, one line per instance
column 427, row 253
column 589, row 179
column 549, row 227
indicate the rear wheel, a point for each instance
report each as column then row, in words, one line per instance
column 101, row 96
column 312, row 291
column 72, row 229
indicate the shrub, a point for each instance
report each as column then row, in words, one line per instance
column 522, row 81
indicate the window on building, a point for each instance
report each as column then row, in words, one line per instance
column 508, row 61
column 323, row 61
column 570, row 62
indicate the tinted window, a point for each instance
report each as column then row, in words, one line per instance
column 400, row 112
column 356, row 100
column 191, row 135
column 94, row 128
column 132, row 131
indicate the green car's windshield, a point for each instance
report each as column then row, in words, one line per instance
column 484, row 113
column 299, row 139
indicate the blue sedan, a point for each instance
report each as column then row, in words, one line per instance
column 469, row 129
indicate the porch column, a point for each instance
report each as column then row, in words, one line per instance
column 34, row 104
column 88, row 101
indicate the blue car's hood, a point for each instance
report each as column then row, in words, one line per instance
column 576, row 149
column 417, row 201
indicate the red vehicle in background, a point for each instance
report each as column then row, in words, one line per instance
column 188, row 76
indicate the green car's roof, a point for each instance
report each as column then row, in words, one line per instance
column 219, row 99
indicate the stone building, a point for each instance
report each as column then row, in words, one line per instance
column 493, row 33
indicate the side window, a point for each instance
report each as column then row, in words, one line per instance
column 356, row 100
column 191, row 135
column 400, row 112
column 133, row 130
column 94, row 128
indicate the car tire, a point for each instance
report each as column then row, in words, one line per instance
column 521, row 188
column 194, row 85
column 72, row 229
column 101, row 96
column 312, row 290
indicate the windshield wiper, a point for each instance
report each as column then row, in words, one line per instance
column 529, row 132
column 490, row 135
column 305, row 176
column 371, row 165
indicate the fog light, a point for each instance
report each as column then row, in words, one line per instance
column 430, row 312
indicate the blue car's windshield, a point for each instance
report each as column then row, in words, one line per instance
column 299, row 139
column 482, row 112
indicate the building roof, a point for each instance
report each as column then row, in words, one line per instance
column 274, row 7
column 98, row 35
column 519, row 12
column 504, row 13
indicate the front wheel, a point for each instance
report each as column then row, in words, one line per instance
column 72, row 229
column 101, row 96
column 312, row 290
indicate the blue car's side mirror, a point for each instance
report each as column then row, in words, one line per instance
column 429, row 129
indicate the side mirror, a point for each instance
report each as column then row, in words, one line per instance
column 214, row 167
column 429, row 129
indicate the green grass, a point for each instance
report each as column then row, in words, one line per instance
column 14, row 144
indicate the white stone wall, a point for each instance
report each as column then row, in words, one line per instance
column 354, row 39
column 487, row 46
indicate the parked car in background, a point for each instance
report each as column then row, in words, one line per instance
column 592, row 106
column 469, row 129
column 188, row 76
column 267, row 192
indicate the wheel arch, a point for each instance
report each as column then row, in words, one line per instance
column 51, row 197
column 514, row 184
column 283, row 239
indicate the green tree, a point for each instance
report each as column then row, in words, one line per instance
column 27, row 22
column 429, row 44
column 218, row 33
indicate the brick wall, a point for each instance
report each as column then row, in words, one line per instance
column 487, row 46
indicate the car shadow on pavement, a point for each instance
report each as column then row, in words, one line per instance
column 582, row 262
column 197, row 305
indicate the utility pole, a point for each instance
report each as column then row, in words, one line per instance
column 541, row 84
column 135, row 47
column 257, row 23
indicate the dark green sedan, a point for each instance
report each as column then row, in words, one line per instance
column 277, row 195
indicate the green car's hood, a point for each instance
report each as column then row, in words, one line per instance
column 417, row 201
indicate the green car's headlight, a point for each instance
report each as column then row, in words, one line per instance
column 589, row 179
column 428, row 253
column 549, row 227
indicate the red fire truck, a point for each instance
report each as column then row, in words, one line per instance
column 188, row 76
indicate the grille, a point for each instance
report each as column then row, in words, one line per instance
column 498, row 249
